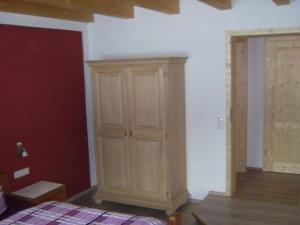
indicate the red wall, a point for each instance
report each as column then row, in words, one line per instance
column 43, row 106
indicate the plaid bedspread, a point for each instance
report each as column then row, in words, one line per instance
column 55, row 213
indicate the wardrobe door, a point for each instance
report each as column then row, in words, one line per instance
column 146, row 107
column 109, row 87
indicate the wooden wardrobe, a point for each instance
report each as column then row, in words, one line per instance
column 139, row 126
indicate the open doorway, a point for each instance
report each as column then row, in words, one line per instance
column 263, row 112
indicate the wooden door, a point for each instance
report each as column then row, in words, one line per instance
column 283, row 105
column 109, row 97
column 146, row 106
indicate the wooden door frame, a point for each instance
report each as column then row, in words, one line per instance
column 239, row 101
column 230, row 35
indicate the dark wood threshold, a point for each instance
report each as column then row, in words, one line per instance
column 254, row 169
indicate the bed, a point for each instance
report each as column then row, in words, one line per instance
column 55, row 213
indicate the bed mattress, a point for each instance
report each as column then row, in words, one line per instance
column 55, row 213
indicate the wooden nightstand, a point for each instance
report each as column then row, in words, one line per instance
column 42, row 191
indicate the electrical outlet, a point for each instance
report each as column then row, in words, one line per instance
column 21, row 173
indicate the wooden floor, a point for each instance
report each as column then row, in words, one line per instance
column 261, row 199
column 267, row 186
column 218, row 210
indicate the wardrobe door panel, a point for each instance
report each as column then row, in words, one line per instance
column 147, row 169
column 109, row 86
column 113, row 159
column 145, row 91
column 110, row 99
column 146, row 101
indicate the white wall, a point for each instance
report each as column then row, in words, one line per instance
column 198, row 32
column 256, row 95
column 34, row 21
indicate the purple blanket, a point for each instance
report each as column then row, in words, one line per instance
column 63, row 213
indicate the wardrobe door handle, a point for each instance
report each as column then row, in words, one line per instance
column 125, row 132
column 130, row 133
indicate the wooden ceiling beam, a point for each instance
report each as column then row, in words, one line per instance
column 105, row 7
column 219, row 4
column 44, row 11
column 281, row 2
column 166, row 6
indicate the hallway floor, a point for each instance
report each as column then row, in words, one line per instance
column 262, row 198
column 268, row 186
column 220, row 210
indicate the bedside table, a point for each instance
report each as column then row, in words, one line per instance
column 42, row 191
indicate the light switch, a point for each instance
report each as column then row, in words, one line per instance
column 220, row 123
